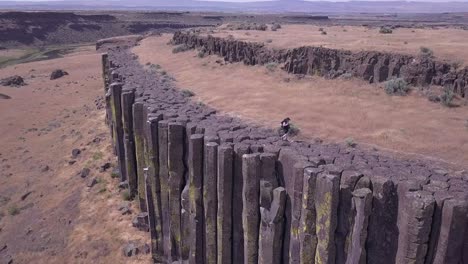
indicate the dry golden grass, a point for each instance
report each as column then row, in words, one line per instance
column 330, row 109
column 447, row 43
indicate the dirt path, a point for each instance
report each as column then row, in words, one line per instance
column 333, row 110
column 47, row 212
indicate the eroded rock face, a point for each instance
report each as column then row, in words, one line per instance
column 58, row 74
column 372, row 66
column 13, row 81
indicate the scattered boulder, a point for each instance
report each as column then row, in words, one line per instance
column 84, row 172
column 75, row 153
column 4, row 96
column 141, row 222
column 92, row 182
column 144, row 249
column 58, row 74
column 123, row 185
column 13, row 81
column 45, row 168
column 130, row 249
column 105, row 167
column 125, row 208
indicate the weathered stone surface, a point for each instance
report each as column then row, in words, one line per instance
column 129, row 144
column 269, row 173
column 326, row 205
column 348, row 180
column 382, row 235
column 271, row 229
column 251, row 173
column 139, row 122
column 195, row 166
column 225, row 178
column 116, row 108
column 151, row 217
column 362, row 207
column 414, row 227
column 58, row 74
column 237, row 205
column 164, row 181
column 453, row 228
column 210, row 201
column 176, row 134
column 141, row 222
column 307, row 229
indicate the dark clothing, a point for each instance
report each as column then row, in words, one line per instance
column 285, row 126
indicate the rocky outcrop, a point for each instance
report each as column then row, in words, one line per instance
column 13, row 81
column 219, row 191
column 372, row 66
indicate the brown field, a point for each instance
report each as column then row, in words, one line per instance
column 333, row 110
column 60, row 220
column 447, row 43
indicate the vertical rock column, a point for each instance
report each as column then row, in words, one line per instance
column 382, row 237
column 362, row 206
column 307, row 235
column 139, row 122
column 271, row 229
column 298, row 183
column 326, row 205
column 237, row 205
column 176, row 134
column 153, row 198
column 129, row 144
column 210, row 202
column 251, row 172
column 164, row 182
column 414, row 227
column 116, row 106
column 453, row 228
column 224, row 223
column 195, row 166
column 104, row 63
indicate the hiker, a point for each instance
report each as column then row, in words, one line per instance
column 285, row 128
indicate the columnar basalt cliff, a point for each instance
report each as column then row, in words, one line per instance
column 220, row 191
column 372, row 66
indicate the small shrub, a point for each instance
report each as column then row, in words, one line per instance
column 126, row 195
column 155, row 66
column 275, row 27
column 385, row 30
column 201, row 54
column 13, row 210
column 102, row 190
column 323, row 33
column 180, row 48
column 115, row 175
column 163, row 73
column 269, row 41
column 98, row 155
column 346, row 75
column 406, row 42
column 271, row 66
column 396, row 86
column 294, row 130
column 187, row 93
column 345, row 30
column 426, row 52
column 321, row 29
column 350, row 142
column 447, row 97
column 456, row 65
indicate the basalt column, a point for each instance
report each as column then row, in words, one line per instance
column 251, row 172
column 195, row 166
column 414, row 226
column 326, row 205
column 271, row 228
column 116, row 106
column 237, row 205
column 153, row 188
column 307, row 229
column 224, row 228
column 139, row 122
column 210, row 202
column 176, row 168
column 128, row 98
column 164, row 182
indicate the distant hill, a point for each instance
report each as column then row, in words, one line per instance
column 280, row 6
